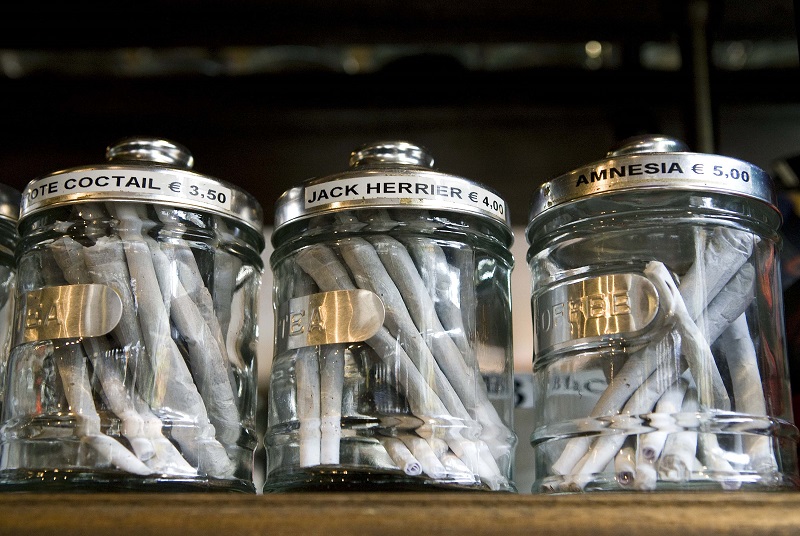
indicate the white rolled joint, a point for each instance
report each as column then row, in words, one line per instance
column 423, row 452
column 401, row 456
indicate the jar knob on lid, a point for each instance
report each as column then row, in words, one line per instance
column 648, row 143
column 391, row 154
column 150, row 150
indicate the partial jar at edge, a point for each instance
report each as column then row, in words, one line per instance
column 9, row 213
column 393, row 361
column 660, row 359
column 133, row 363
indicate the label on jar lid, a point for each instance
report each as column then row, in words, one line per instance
column 593, row 309
column 69, row 312
column 421, row 189
column 656, row 171
column 339, row 316
column 156, row 185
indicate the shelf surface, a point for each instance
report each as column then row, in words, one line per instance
column 386, row 514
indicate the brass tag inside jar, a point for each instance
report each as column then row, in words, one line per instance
column 592, row 309
column 329, row 317
column 69, row 312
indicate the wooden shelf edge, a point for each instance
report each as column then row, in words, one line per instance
column 341, row 514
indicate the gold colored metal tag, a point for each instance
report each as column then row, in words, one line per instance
column 592, row 310
column 69, row 312
column 328, row 318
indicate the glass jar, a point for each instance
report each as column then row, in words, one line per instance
column 658, row 326
column 9, row 212
column 393, row 359
column 133, row 361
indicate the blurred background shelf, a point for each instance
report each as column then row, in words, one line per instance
column 269, row 93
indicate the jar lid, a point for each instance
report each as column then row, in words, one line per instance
column 653, row 162
column 150, row 170
column 391, row 174
column 9, row 203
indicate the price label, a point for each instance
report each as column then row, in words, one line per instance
column 423, row 190
column 722, row 171
column 193, row 190
column 127, row 183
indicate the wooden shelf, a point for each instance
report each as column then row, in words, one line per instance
column 386, row 514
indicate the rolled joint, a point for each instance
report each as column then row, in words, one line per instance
column 649, row 453
column 625, row 478
column 673, row 469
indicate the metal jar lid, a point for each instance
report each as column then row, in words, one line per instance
column 9, row 203
column 653, row 162
column 391, row 174
column 150, row 170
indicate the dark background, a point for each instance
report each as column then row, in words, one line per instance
column 502, row 93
